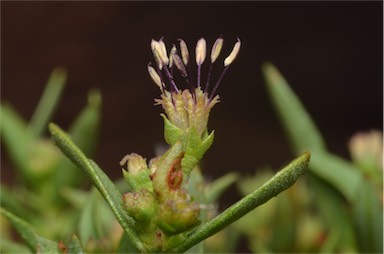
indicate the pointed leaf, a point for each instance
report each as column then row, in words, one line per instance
column 216, row 188
column 8, row 246
column 84, row 132
column 12, row 203
column 48, row 101
column 280, row 182
column 99, row 179
column 303, row 134
column 298, row 124
column 25, row 230
column 15, row 136
column 368, row 219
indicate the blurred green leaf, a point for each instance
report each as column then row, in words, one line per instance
column 16, row 137
column 48, row 101
column 76, row 197
column 126, row 245
column 304, row 135
column 25, row 230
column 368, row 217
column 333, row 212
column 85, row 128
column 217, row 187
column 301, row 130
column 95, row 218
column 12, row 203
column 343, row 175
column 8, row 246
column 84, row 132
column 100, row 181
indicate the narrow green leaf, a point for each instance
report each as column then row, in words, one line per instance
column 280, row 182
column 96, row 218
column 88, row 220
column 12, row 203
column 304, row 135
column 84, row 132
column 301, row 129
column 125, row 245
column 75, row 197
column 100, row 181
column 335, row 216
column 8, row 246
column 15, row 136
column 368, row 219
column 343, row 175
column 25, row 230
column 216, row 188
column 48, row 101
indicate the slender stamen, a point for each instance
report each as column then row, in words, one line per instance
column 218, row 83
column 198, row 75
column 208, row 78
column 170, row 78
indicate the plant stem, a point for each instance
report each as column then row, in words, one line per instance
column 280, row 182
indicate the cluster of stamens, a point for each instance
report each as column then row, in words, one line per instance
column 165, row 63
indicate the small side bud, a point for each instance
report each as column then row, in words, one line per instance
column 233, row 54
column 138, row 174
column 216, row 49
column 155, row 77
column 184, row 52
column 201, row 51
column 135, row 163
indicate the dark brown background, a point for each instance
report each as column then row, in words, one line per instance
column 331, row 53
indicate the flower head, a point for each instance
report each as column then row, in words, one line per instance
column 187, row 108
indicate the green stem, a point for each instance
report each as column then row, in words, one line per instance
column 100, row 180
column 48, row 101
column 280, row 182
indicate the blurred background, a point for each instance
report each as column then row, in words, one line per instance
column 330, row 53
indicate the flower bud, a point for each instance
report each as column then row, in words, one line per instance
column 177, row 213
column 366, row 150
column 140, row 205
column 138, row 174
